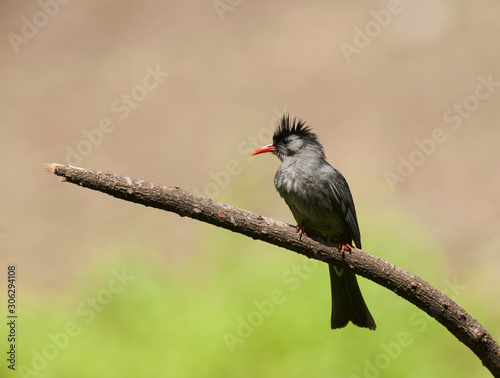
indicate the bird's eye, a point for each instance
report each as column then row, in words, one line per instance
column 285, row 141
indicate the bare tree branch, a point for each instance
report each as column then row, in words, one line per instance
column 410, row 287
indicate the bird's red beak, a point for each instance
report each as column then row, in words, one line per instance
column 268, row 148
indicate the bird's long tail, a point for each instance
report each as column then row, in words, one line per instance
column 347, row 301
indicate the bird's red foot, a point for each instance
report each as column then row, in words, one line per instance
column 344, row 245
column 300, row 230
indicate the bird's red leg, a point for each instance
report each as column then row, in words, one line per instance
column 300, row 230
column 344, row 245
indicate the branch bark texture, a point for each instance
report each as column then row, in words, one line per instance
column 410, row 287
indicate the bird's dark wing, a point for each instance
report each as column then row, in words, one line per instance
column 342, row 202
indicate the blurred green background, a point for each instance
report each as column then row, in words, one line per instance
column 110, row 288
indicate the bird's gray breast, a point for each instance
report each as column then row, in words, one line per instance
column 307, row 191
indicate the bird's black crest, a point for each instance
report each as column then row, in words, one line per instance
column 288, row 126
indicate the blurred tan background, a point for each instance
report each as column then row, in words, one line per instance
column 226, row 73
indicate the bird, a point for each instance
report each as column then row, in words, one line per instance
column 321, row 203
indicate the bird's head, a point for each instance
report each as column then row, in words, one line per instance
column 293, row 138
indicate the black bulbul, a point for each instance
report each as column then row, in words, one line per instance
column 321, row 202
